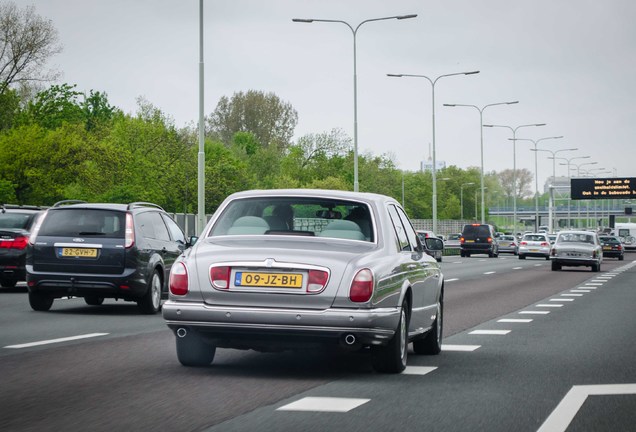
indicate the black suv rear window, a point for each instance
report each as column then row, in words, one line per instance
column 16, row 220
column 471, row 231
column 84, row 223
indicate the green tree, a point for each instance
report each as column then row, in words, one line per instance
column 27, row 42
column 271, row 120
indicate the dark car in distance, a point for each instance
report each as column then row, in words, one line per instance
column 612, row 247
column 16, row 222
column 97, row 251
column 478, row 239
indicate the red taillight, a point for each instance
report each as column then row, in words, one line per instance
column 362, row 286
column 179, row 279
column 16, row 243
column 489, row 239
column 545, row 244
column 512, row 244
column 130, row 231
column 220, row 277
column 619, row 247
column 523, row 244
column 462, row 240
column 317, row 280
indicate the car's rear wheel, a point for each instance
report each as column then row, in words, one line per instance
column 392, row 357
column 547, row 257
column 150, row 303
column 431, row 343
column 462, row 254
column 596, row 267
column 40, row 302
column 556, row 266
column 621, row 258
column 93, row 300
column 8, row 283
column 193, row 351
column 522, row 256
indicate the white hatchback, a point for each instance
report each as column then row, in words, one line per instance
column 535, row 245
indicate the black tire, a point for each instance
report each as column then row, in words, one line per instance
column 556, row 266
column 150, row 303
column 621, row 258
column 392, row 358
column 93, row 300
column 491, row 254
column 522, row 256
column 192, row 351
column 40, row 302
column 462, row 254
column 431, row 343
column 547, row 257
column 596, row 267
column 8, row 283
column 439, row 259
column 467, row 254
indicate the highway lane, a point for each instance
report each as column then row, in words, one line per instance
column 130, row 377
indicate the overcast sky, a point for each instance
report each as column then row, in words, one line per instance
column 569, row 63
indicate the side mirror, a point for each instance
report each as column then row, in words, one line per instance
column 192, row 241
column 434, row 243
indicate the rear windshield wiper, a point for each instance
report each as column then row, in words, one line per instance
column 91, row 233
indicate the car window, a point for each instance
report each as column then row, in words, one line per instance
column 14, row 220
column 84, row 223
column 575, row 238
column 152, row 226
column 410, row 231
column 400, row 232
column 175, row 231
column 300, row 216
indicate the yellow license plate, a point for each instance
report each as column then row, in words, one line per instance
column 470, row 241
column 79, row 252
column 607, row 248
column 269, row 280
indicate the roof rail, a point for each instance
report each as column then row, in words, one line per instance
column 4, row 207
column 144, row 204
column 68, row 202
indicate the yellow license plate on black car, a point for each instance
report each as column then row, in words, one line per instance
column 79, row 252
column 268, row 280
column 607, row 248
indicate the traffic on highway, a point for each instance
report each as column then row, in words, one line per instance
column 525, row 348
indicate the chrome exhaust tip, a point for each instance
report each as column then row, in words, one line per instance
column 350, row 339
column 182, row 332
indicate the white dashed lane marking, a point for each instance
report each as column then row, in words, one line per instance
column 561, row 299
column 533, row 312
column 490, row 272
column 324, row 404
column 490, row 332
column 418, row 370
column 514, row 320
column 464, row 348
column 451, row 280
column 550, row 305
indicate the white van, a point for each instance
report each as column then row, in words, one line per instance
column 627, row 233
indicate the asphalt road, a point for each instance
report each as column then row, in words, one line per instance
column 126, row 376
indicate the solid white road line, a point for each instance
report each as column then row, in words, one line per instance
column 463, row 348
column 563, row 414
column 324, row 404
column 52, row 341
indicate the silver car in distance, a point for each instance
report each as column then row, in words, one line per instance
column 292, row 269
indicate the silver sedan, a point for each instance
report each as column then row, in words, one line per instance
column 577, row 248
column 287, row 269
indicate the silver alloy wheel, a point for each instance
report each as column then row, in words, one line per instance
column 156, row 290
column 403, row 337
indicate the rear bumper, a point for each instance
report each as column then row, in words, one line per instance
column 534, row 253
column 128, row 285
column 249, row 327
column 575, row 262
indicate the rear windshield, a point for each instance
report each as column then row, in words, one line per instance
column 534, row 237
column 296, row 216
column 84, row 223
column 471, row 232
column 14, row 220
column 575, row 238
column 610, row 240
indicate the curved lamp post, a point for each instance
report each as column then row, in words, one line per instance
column 434, row 171
column 514, row 168
column 536, row 177
column 481, row 134
column 354, row 31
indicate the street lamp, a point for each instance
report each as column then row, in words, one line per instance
column 434, row 171
column 354, row 31
column 485, row 187
column 536, row 176
column 569, row 160
column 514, row 169
column 461, row 198
column 481, row 134
column 551, row 209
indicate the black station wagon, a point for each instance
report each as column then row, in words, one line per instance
column 97, row 251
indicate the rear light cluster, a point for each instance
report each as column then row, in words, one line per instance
column 462, row 240
column 16, row 243
column 130, row 231
column 489, row 239
column 545, row 244
column 361, row 288
column 179, row 279
column 220, row 277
